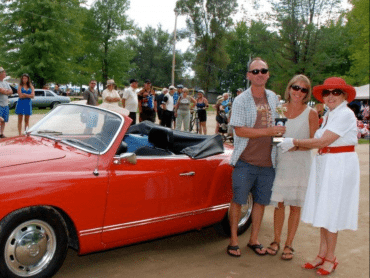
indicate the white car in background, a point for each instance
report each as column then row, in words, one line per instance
column 43, row 99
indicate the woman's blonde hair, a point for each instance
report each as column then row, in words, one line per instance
column 295, row 79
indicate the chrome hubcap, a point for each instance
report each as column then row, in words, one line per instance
column 30, row 248
column 246, row 211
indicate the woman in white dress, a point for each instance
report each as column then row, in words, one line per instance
column 293, row 167
column 332, row 195
column 111, row 99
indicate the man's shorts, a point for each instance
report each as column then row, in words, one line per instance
column 249, row 178
column 4, row 113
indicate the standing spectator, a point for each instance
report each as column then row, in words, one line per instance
column 167, row 106
column 182, row 110
column 202, row 105
column 366, row 112
column 239, row 91
column 5, row 90
column 332, row 196
column 253, row 157
column 130, row 100
column 222, row 109
column 57, row 90
column 293, row 168
column 91, row 118
column 147, row 103
column 159, row 99
column 26, row 92
column 111, row 99
column 91, row 95
column 176, row 96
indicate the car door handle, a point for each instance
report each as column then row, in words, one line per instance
column 188, row 174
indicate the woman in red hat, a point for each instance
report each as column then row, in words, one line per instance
column 332, row 196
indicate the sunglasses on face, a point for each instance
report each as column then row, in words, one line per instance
column 257, row 71
column 299, row 88
column 335, row 92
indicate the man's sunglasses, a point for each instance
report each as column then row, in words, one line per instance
column 257, row 71
column 299, row 88
column 335, row 92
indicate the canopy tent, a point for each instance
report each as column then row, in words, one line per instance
column 362, row 92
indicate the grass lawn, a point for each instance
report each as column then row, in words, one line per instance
column 363, row 141
column 34, row 111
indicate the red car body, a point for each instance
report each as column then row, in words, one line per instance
column 120, row 203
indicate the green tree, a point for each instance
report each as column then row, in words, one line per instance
column 358, row 30
column 244, row 43
column 39, row 37
column 153, row 57
column 298, row 22
column 106, row 55
column 208, row 22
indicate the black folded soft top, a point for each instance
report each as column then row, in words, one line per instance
column 179, row 142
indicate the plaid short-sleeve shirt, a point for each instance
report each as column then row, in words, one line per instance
column 244, row 113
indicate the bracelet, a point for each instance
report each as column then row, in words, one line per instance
column 296, row 140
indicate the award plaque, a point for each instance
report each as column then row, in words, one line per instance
column 279, row 121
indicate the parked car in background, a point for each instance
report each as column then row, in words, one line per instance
column 43, row 99
column 83, row 178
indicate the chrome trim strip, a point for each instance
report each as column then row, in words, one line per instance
column 151, row 220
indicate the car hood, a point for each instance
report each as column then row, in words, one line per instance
column 24, row 150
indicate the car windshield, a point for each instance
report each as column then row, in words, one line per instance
column 85, row 127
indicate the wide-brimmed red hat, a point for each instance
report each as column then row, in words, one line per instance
column 334, row 83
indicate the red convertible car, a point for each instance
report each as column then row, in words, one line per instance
column 83, row 178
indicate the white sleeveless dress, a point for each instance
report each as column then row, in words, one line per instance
column 293, row 168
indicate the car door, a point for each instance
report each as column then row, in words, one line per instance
column 38, row 100
column 49, row 98
column 155, row 196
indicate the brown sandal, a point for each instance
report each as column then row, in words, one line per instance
column 273, row 249
column 287, row 253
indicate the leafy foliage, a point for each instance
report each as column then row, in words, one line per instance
column 37, row 37
column 153, row 57
column 208, row 21
column 358, row 30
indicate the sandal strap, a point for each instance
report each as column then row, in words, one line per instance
column 321, row 258
column 290, row 248
column 274, row 242
column 332, row 262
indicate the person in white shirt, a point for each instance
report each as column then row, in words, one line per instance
column 5, row 90
column 167, row 106
column 130, row 100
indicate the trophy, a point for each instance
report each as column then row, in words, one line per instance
column 279, row 121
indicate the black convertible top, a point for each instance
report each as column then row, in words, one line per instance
column 179, row 142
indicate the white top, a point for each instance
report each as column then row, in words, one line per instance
column 131, row 100
column 343, row 122
column 332, row 196
column 4, row 98
column 113, row 106
column 169, row 102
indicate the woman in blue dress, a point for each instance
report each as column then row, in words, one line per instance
column 24, row 104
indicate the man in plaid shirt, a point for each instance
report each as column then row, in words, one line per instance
column 253, row 117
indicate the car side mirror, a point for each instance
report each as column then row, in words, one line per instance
column 129, row 157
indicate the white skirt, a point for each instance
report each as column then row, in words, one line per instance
column 332, row 197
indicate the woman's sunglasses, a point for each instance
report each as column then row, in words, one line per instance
column 257, row 71
column 299, row 88
column 335, row 92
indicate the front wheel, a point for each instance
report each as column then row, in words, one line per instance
column 245, row 219
column 33, row 243
column 54, row 104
